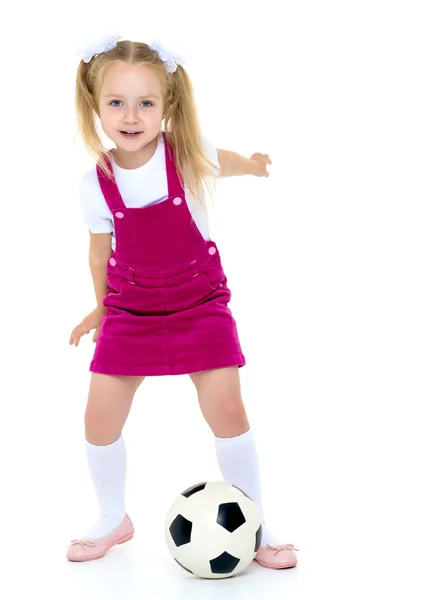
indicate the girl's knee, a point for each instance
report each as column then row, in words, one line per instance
column 109, row 402
column 229, row 421
column 101, row 430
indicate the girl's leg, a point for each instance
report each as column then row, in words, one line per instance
column 109, row 403
column 219, row 394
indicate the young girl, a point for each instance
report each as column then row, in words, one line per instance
column 162, row 295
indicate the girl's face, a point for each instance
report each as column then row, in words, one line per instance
column 131, row 101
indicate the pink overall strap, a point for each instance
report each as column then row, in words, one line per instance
column 174, row 186
column 109, row 188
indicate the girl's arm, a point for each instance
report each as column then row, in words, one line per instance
column 99, row 253
column 232, row 163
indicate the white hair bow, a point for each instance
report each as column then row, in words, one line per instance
column 106, row 42
column 109, row 40
column 170, row 59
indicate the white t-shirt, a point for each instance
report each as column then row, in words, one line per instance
column 139, row 187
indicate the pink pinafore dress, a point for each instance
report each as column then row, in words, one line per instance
column 167, row 300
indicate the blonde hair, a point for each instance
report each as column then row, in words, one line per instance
column 181, row 122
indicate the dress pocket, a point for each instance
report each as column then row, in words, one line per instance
column 115, row 291
column 115, row 283
column 215, row 276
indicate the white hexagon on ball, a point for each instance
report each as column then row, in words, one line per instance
column 213, row 530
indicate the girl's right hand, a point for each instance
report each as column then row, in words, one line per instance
column 91, row 321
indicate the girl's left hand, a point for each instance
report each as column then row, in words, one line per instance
column 260, row 163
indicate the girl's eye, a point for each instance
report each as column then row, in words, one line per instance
column 145, row 102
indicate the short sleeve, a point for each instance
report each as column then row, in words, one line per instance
column 93, row 205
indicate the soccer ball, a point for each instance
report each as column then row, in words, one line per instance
column 213, row 530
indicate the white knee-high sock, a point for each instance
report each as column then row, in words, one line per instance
column 238, row 462
column 107, row 466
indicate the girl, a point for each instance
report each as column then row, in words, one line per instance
column 162, row 295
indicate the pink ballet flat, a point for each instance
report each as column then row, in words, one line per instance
column 82, row 550
column 277, row 557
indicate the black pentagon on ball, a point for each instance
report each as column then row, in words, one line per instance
column 225, row 563
column 192, row 490
column 188, row 570
column 230, row 516
column 180, row 530
column 258, row 538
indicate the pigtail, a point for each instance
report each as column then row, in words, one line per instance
column 86, row 113
column 184, row 134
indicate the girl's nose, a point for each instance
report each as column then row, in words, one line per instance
column 130, row 115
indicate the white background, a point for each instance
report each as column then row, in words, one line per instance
column 326, row 260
